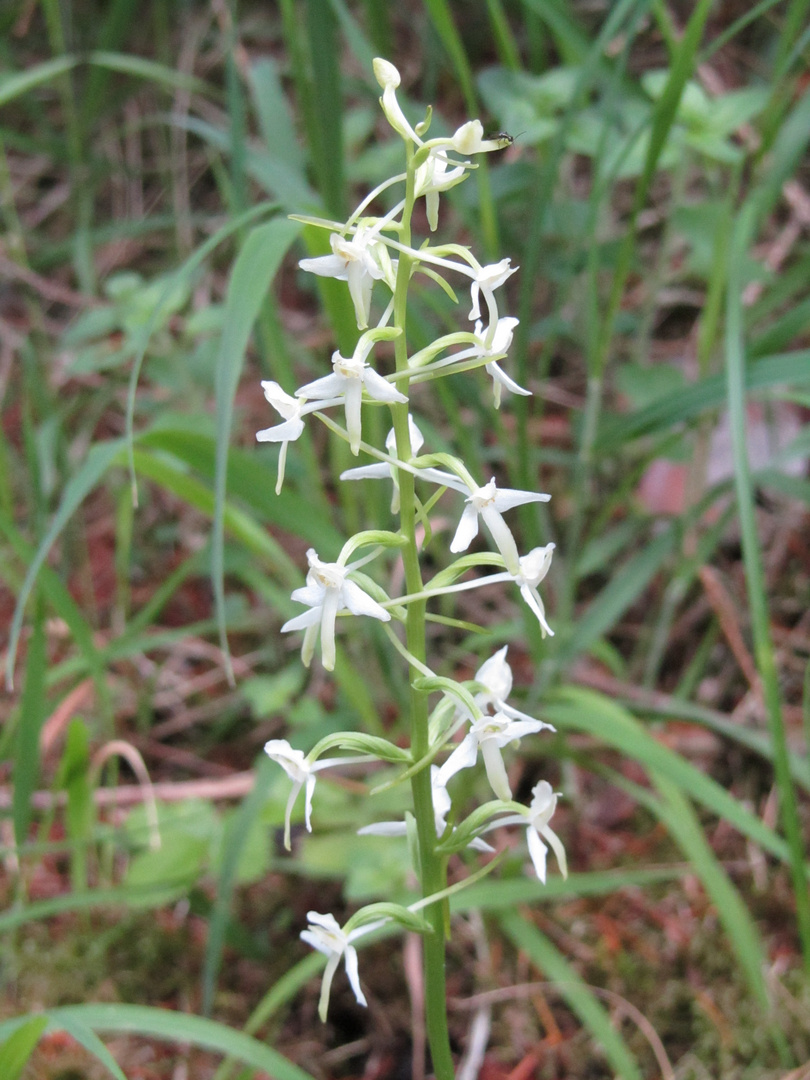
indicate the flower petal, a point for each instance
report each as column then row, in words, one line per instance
column 328, row 386
column 379, row 388
column 289, row 431
column 463, row 757
column 496, row 770
column 538, row 852
column 325, row 266
column 350, row 955
column 302, row 621
column 360, row 603
column 467, row 530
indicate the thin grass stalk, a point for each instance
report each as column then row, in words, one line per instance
column 505, row 44
column 82, row 192
column 755, row 578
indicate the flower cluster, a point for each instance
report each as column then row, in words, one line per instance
column 471, row 719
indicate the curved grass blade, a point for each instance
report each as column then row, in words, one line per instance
column 576, row 709
column 545, row 956
column 220, row 913
column 86, row 1037
column 151, row 70
column 625, row 587
column 99, row 459
column 29, row 723
column 12, row 85
column 170, row 1026
column 16, row 1051
column 183, row 273
column 755, row 576
column 253, row 271
column 493, row 895
column 692, row 401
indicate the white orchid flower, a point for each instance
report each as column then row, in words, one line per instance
column 469, row 139
column 495, row 675
column 325, row 934
column 302, row 773
column 360, row 260
column 350, row 377
column 492, row 342
column 389, row 79
column 292, row 409
column 328, row 590
column 485, row 281
column 498, row 345
column 532, row 568
column 434, row 176
column 441, row 808
column 491, row 734
column 489, row 503
column 384, row 470
column 536, row 818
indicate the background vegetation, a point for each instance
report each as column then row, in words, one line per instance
column 656, row 198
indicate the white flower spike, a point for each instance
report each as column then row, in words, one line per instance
column 536, row 819
column 328, row 590
column 489, row 503
column 350, row 377
column 292, row 409
column 360, row 260
column 491, row 734
column 302, row 773
column 325, row 934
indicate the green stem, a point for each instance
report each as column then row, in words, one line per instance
column 432, row 866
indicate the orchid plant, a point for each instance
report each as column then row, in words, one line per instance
column 469, row 719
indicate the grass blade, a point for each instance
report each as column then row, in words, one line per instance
column 13, row 85
column 169, row 1026
column 755, row 578
column 99, row 459
column 572, row 708
column 545, row 956
column 18, row 1047
column 253, row 271
column 31, row 718
column 220, row 913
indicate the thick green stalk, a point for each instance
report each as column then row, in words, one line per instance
column 432, row 868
